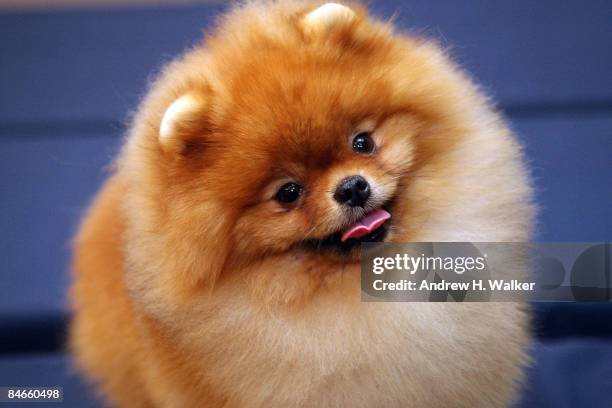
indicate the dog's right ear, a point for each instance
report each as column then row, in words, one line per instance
column 184, row 120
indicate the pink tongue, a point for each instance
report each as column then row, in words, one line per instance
column 366, row 225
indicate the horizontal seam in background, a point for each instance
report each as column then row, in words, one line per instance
column 106, row 127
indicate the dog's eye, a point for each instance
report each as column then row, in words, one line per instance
column 363, row 143
column 288, row 193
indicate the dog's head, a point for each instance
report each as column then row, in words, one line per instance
column 292, row 132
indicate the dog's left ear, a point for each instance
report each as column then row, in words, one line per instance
column 184, row 120
column 327, row 17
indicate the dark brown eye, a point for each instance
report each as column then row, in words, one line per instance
column 288, row 193
column 363, row 143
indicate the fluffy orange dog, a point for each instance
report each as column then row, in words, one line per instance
column 219, row 264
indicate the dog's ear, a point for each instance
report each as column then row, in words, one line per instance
column 184, row 120
column 327, row 17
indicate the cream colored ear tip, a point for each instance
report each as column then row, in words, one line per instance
column 184, row 104
column 328, row 14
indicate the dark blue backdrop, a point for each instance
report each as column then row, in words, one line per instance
column 69, row 79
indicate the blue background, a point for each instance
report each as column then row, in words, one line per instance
column 69, row 79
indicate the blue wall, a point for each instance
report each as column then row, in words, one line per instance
column 68, row 81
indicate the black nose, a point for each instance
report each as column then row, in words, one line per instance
column 353, row 191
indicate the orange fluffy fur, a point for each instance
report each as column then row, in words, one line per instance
column 192, row 286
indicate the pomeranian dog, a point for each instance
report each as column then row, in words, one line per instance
column 219, row 265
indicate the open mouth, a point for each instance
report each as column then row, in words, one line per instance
column 373, row 227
